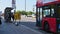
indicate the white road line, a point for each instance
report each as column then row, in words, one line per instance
column 31, row 29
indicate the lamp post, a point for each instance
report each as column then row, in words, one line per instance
column 25, row 5
column 33, row 7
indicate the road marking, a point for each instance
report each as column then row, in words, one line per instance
column 31, row 29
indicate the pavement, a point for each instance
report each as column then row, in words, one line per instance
column 27, row 19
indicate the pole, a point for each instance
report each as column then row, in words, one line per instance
column 33, row 8
column 25, row 5
column 14, row 5
column 36, row 16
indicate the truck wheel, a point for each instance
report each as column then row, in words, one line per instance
column 46, row 26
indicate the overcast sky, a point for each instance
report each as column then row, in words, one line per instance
column 20, row 4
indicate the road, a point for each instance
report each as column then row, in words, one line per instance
column 31, row 23
column 10, row 28
column 26, row 26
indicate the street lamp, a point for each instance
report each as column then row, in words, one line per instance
column 34, row 7
column 25, row 5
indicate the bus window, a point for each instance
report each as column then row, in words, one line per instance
column 52, row 12
column 46, row 12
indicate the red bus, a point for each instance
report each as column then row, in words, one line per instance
column 48, row 16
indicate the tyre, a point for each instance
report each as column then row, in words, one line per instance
column 46, row 26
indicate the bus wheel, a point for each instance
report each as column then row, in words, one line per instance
column 46, row 26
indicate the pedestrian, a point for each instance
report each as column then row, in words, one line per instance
column 13, row 17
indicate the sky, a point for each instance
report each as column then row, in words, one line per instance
column 20, row 4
